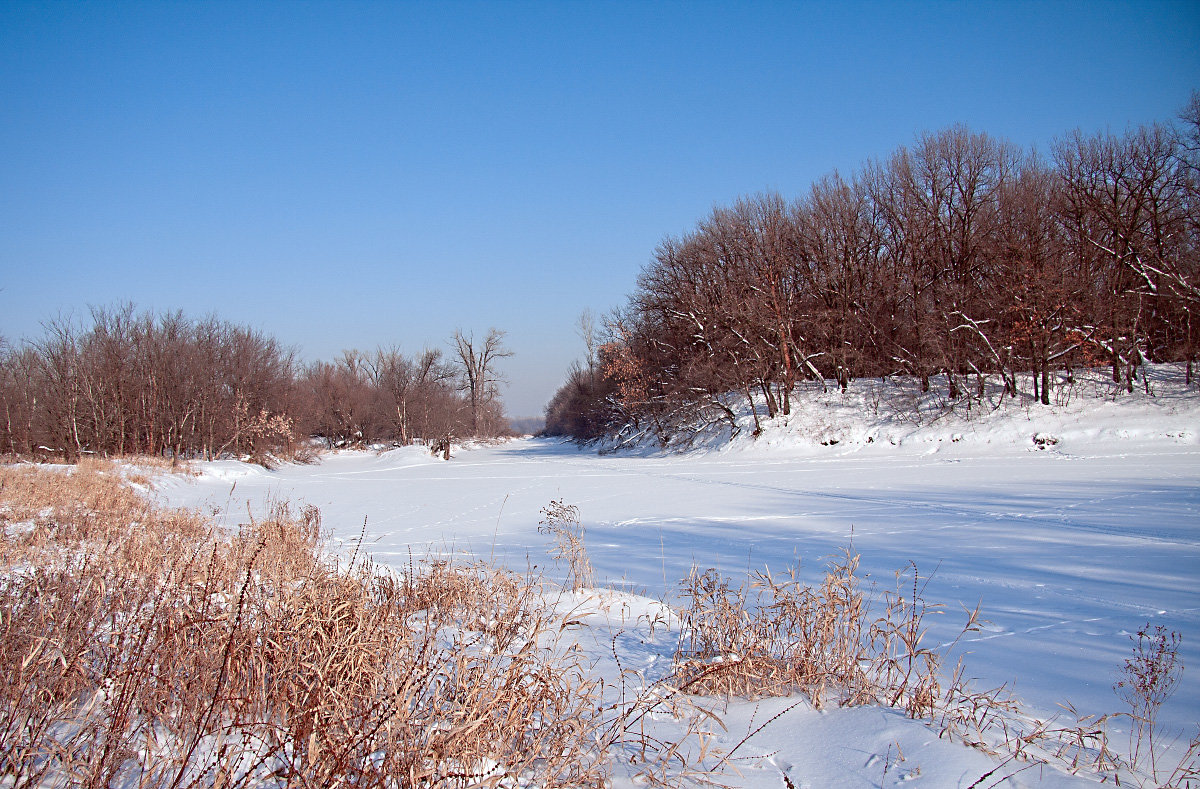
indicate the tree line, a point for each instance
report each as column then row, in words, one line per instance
column 165, row 384
column 957, row 258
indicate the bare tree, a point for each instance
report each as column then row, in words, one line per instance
column 410, row 388
column 480, row 379
column 1189, row 134
column 1039, row 296
column 1126, row 197
column 131, row 383
column 849, row 305
column 1189, row 261
column 589, row 332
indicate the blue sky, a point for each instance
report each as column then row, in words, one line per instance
column 358, row 174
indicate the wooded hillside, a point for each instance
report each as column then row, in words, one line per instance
column 959, row 256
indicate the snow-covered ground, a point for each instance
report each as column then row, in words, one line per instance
column 1071, row 542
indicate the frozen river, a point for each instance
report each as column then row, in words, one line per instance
column 1068, row 550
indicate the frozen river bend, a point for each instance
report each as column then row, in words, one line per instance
column 1069, row 548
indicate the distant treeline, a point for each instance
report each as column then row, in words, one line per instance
column 961, row 256
column 141, row 383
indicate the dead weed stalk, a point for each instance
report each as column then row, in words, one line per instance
column 561, row 521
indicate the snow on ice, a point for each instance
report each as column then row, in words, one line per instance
column 1070, row 543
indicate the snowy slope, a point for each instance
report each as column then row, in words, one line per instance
column 1070, row 543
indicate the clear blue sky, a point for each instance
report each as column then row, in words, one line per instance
column 357, row 174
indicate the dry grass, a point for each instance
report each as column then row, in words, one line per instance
column 149, row 465
column 1147, row 680
column 54, row 514
column 146, row 647
column 776, row 636
column 834, row 642
column 561, row 521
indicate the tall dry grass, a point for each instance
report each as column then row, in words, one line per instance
column 562, row 522
column 146, row 647
column 777, row 636
column 836, row 642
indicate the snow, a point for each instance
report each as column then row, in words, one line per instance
column 1070, row 544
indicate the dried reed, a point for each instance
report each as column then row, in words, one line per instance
column 561, row 521
column 147, row 647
